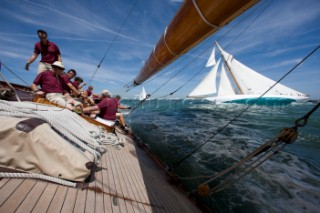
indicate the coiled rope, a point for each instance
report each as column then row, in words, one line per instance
column 67, row 123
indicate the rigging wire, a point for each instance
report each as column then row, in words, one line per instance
column 176, row 164
column 1, row 63
column 254, row 20
column 114, row 39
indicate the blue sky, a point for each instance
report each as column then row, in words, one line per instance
column 84, row 30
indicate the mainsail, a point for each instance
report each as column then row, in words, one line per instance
column 195, row 21
column 252, row 83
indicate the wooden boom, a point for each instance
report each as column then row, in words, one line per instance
column 195, row 21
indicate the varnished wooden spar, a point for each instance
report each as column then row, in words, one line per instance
column 195, row 20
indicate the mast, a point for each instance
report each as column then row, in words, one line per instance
column 195, row 21
column 229, row 69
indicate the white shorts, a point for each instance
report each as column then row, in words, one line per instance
column 44, row 67
column 61, row 100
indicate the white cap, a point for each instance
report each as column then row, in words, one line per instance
column 105, row 93
column 58, row 64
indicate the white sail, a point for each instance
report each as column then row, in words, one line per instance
column 143, row 94
column 225, row 87
column 212, row 59
column 248, row 86
column 253, row 83
column 208, row 85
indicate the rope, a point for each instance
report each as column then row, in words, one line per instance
column 14, row 74
column 72, row 126
column 38, row 176
column 17, row 97
column 204, row 19
column 253, row 20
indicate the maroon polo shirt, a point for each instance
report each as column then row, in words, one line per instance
column 108, row 108
column 66, row 80
column 48, row 52
column 75, row 84
column 89, row 92
column 49, row 82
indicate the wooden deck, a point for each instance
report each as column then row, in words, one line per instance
column 127, row 182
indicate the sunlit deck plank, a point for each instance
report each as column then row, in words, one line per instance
column 130, row 184
column 8, row 189
column 58, row 199
column 105, row 184
column 43, row 203
column 99, row 204
column 80, row 201
column 128, row 181
column 32, row 198
column 118, row 172
column 17, row 196
column 129, row 159
column 70, row 200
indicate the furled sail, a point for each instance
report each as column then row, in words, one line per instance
column 195, row 20
column 207, row 86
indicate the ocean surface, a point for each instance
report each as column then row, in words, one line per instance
column 288, row 182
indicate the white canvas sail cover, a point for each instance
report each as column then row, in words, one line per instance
column 208, row 85
column 225, row 87
column 253, row 83
column 212, row 59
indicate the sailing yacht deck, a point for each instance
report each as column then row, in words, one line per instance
column 127, row 182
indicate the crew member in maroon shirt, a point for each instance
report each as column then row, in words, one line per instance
column 49, row 53
column 68, row 86
column 52, row 86
column 106, row 108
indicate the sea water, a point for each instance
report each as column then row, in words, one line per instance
column 288, row 182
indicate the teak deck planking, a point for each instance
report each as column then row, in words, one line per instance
column 127, row 181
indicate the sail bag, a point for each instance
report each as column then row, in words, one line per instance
column 31, row 145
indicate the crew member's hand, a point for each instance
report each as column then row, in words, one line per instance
column 27, row 66
column 39, row 92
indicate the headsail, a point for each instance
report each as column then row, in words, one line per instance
column 195, row 21
column 212, row 59
column 207, row 85
column 225, row 87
